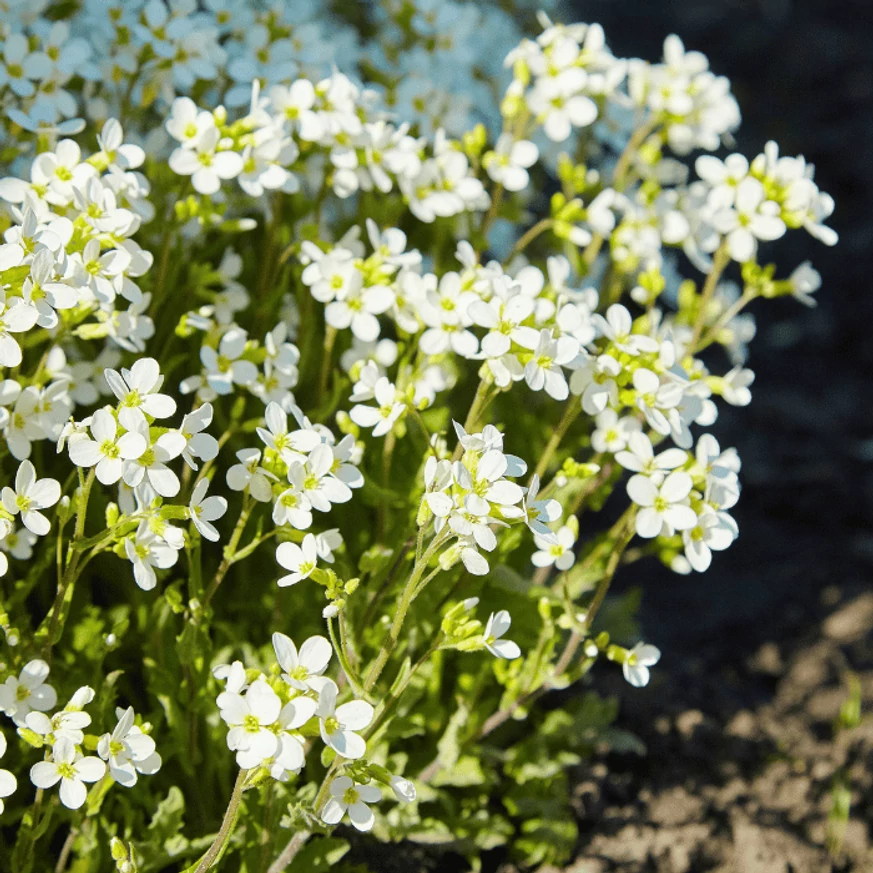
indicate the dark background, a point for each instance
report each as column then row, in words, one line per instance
column 802, row 71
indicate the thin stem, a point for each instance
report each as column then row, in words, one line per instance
column 343, row 659
column 64, row 855
column 571, row 413
column 289, row 853
column 724, row 319
column 477, row 407
column 619, row 176
column 227, row 825
column 496, row 200
column 532, row 233
column 619, row 180
column 391, row 701
column 720, row 260
column 626, row 535
column 230, row 553
column 71, row 573
column 403, row 605
column 387, row 456
column 324, row 374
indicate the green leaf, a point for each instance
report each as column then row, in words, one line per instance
column 320, row 854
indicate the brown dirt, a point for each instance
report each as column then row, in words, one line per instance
column 746, row 790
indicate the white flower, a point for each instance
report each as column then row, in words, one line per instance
column 16, row 318
column 352, row 797
column 225, row 367
column 29, row 496
column 637, row 663
column 137, row 388
column 8, row 782
column 203, row 510
column 292, row 506
column 249, row 717
column 338, row 724
column 559, row 106
column 151, row 465
column 543, row 370
column 198, row 444
column 28, row 692
column 320, row 485
column 303, row 669
column 277, row 437
column 617, row 327
column 382, row 417
column 749, row 219
column 357, row 307
column 445, row 312
column 596, row 382
column 508, row 163
column 206, row 166
column 300, row 560
column 248, row 475
column 128, row 750
column 186, row 123
column 69, row 768
column 538, row 513
column 662, row 504
column 639, row 457
column 498, row 624
column 291, row 755
column 735, row 386
column 488, row 486
column 805, row 280
column 107, row 450
column 612, row 433
column 69, row 723
column 714, row 531
column 146, row 552
column 558, row 552
column 404, row 789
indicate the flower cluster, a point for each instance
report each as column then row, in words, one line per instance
column 268, row 720
column 256, row 314
column 364, row 151
column 125, row 752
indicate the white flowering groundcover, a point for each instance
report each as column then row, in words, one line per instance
column 319, row 333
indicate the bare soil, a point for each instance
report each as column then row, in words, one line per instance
column 741, row 790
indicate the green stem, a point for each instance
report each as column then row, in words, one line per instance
column 571, row 413
column 230, row 553
column 227, row 825
column 343, row 659
column 329, row 340
column 532, row 233
column 720, row 260
column 626, row 534
column 391, row 701
column 403, row 605
column 724, row 319
column 480, row 401
column 72, row 570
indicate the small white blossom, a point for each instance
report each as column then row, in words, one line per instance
column 352, row 797
column 29, row 496
column 300, row 560
column 339, row 724
column 204, row 510
column 71, row 769
column 29, row 691
column 636, row 664
column 128, row 751
column 497, row 625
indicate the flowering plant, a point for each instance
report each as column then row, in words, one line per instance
column 311, row 397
